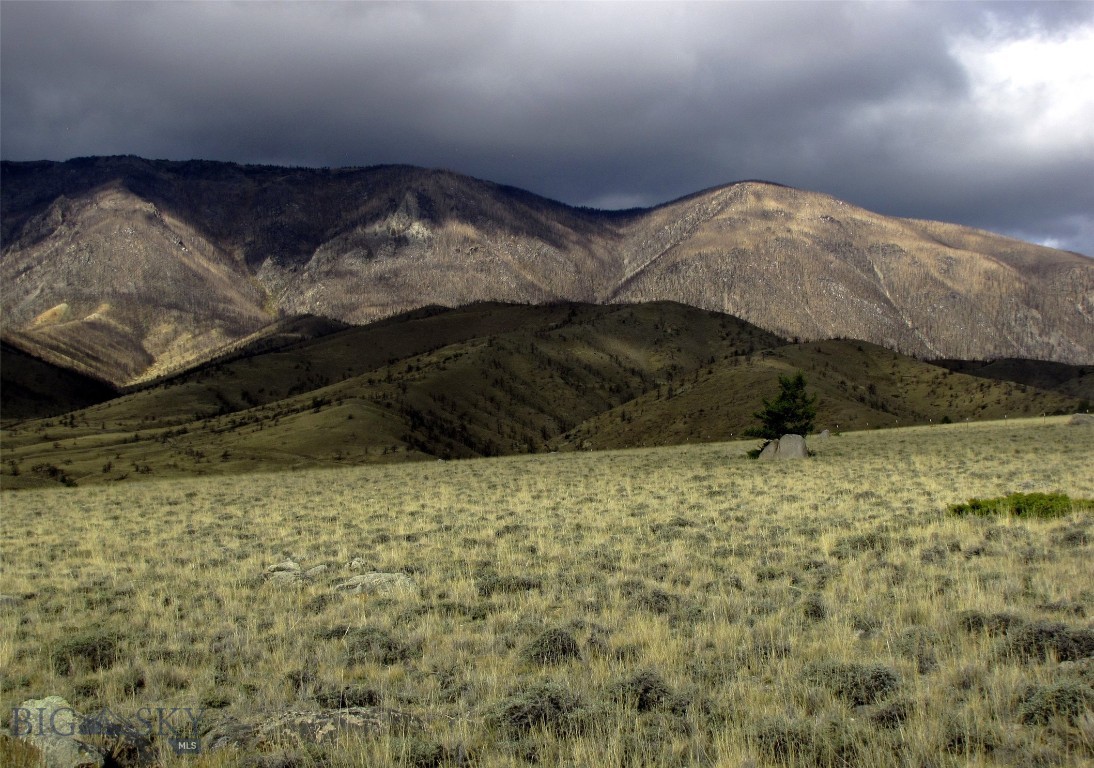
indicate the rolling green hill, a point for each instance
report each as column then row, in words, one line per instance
column 489, row 379
column 1071, row 380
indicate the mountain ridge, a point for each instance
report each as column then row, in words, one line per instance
column 137, row 268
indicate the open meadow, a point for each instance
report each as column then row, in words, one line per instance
column 680, row 606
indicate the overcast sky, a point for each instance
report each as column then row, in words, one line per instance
column 981, row 114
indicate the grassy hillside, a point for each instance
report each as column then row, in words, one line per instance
column 858, row 386
column 491, row 380
column 1071, row 380
column 652, row 607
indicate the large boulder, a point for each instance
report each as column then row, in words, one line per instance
column 770, row 451
column 52, row 726
column 792, row 447
column 786, row 447
column 1081, row 418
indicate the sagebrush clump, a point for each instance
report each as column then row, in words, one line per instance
column 1030, row 505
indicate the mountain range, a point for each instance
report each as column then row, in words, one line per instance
column 131, row 270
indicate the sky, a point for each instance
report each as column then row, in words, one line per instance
column 976, row 113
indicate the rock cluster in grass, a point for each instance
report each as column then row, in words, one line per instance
column 305, row 728
column 290, row 573
column 1079, row 419
column 786, row 447
column 378, row 583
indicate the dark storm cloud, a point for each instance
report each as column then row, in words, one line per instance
column 908, row 109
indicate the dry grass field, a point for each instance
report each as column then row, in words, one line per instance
column 657, row 607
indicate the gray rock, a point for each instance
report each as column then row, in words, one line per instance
column 228, row 732
column 786, row 447
column 10, row 601
column 314, row 571
column 328, row 726
column 1078, row 419
column 792, row 447
column 358, row 563
column 285, row 573
column 305, row 728
column 770, row 451
column 824, row 435
column 378, row 583
column 52, row 726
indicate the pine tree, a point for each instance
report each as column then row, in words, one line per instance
column 791, row 413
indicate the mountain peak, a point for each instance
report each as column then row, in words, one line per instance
column 192, row 256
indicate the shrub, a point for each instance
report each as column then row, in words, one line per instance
column 553, row 646
column 1067, row 700
column 544, row 704
column 992, row 623
column 649, row 598
column 785, row 740
column 857, row 684
column 1035, row 505
column 1038, row 640
column 489, row 584
column 804, row 743
column 892, row 714
column 347, row 696
column 95, row 649
column 645, row 689
column 814, row 607
column 375, row 644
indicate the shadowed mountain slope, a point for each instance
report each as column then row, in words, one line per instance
column 133, row 269
column 33, row 388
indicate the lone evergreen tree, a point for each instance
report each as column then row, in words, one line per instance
column 791, row 413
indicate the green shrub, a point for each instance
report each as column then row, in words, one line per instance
column 378, row 645
column 489, row 584
column 857, row 684
column 1040, row 639
column 991, row 623
column 340, row 697
column 1066, row 700
column 645, row 689
column 94, row 649
column 809, row 744
column 1038, row 505
column 553, row 646
column 545, row 704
